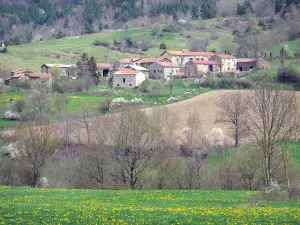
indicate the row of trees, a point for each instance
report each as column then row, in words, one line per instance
column 135, row 150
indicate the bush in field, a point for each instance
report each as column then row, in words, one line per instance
column 227, row 83
column 20, row 105
column 146, row 86
column 289, row 75
column 106, row 105
column 163, row 46
column 16, row 84
column 9, row 115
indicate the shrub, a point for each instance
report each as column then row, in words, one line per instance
column 101, row 43
column 247, row 84
column 171, row 28
column 4, row 50
column 146, row 86
column 106, row 105
column 163, row 46
column 210, row 82
column 20, row 105
column 289, row 75
column 9, row 115
column 16, row 84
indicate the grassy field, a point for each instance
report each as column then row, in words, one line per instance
column 182, row 90
column 68, row 50
column 20, row 205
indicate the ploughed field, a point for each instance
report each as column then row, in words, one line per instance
column 24, row 205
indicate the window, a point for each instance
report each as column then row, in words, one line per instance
column 154, row 71
column 124, row 80
column 130, row 85
column 228, row 68
column 197, row 58
column 202, row 59
column 191, row 59
column 118, row 85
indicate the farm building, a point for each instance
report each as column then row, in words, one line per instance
column 227, row 62
column 103, row 69
column 23, row 75
column 48, row 68
column 183, row 57
column 163, row 70
column 245, row 64
column 127, row 78
column 196, row 67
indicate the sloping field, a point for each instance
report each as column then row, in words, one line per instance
column 205, row 106
column 47, row 206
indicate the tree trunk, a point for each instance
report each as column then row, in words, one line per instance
column 35, row 178
column 236, row 137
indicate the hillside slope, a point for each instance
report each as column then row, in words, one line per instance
column 68, row 50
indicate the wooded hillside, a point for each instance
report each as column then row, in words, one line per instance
column 25, row 21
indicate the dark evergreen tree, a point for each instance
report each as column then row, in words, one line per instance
column 195, row 12
column 208, row 9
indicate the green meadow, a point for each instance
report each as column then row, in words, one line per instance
column 24, row 205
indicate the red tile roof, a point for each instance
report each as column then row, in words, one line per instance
column 125, row 71
column 223, row 56
column 168, row 64
column 152, row 60
column 103, row 65
column 245, row 60
column 130, row 60
column 179, row 74
column 206, row 62
column 187, row 53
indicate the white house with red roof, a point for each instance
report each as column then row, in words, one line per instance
column 127, row 78
column 183, row 57
column 196, row 67
column 228, row 62
column 163, row 70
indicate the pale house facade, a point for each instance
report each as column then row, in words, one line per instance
column 183, row 57
column 163, row 70
column 227, row 62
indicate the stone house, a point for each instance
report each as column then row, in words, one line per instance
column 103, row 69
column 146, row 62
column 48, row 68
column 196, row 67
column 227, row 62
column 183, row 57
column 245, row 64
column 127, row 78
column 163, row 70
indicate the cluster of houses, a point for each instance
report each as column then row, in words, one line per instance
column 131, row 72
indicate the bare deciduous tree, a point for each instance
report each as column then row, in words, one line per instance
column 233, row 109
column 271, row 120
column 133, row 142
column 35, row 145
